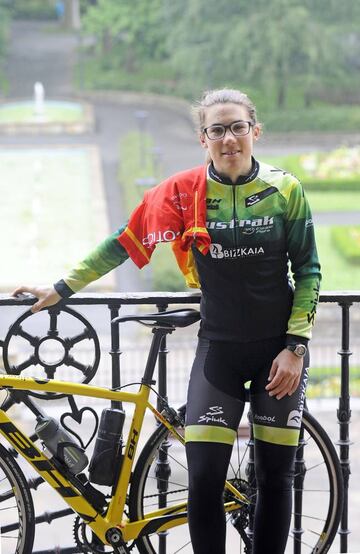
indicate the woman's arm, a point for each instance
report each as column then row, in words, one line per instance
column 305, row 266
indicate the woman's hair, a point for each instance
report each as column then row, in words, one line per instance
column 221, row 96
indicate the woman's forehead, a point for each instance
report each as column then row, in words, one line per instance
column 225, row 113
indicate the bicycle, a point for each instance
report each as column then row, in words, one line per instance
column 146, row 507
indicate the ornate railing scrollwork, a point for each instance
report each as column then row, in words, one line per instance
column 40, row 357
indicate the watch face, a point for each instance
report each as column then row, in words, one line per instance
column 300, row 350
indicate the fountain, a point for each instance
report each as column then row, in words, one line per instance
column 39, row 116
column 39, row 98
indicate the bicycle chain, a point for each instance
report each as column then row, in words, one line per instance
column 167, row 493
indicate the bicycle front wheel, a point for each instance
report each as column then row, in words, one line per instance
column 318, row 492
column 16, row 506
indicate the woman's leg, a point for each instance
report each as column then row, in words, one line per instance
column 207, row 464
column 276, row 425
column 212, row 418
column 274, row 475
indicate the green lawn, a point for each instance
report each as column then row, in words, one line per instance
column 325, row 201
column 52, row 211
column 24, row 112
column 337, row 273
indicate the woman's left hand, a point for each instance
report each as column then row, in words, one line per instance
column 284, row 374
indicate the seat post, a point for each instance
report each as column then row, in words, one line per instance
column 159, row 333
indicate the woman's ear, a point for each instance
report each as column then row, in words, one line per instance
column 256, row 132
column 202, row 140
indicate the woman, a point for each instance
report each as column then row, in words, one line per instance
column 235, row 225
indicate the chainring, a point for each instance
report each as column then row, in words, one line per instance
column 83, row 544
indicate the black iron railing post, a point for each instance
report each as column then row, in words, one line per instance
column 300, row 472
column 344, row 415
column 115, row 353
column 163, row 470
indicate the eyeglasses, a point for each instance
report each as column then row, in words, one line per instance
column 238, row 129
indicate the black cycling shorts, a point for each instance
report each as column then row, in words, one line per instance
column 217, row 393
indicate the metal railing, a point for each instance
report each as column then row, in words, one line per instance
column 114, row 303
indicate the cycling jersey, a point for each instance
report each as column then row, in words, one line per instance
column 256, row 227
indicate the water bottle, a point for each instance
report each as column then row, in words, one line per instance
column 108, row 446
column 61, row 444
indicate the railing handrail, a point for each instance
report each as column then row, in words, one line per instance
column 118, row 298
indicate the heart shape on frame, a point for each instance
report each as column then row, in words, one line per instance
column 77, row 417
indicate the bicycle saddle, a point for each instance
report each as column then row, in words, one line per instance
column 173, row 318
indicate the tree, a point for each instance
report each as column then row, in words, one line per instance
column 135, row 25
column 4, row 31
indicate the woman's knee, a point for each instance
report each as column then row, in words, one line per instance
column 207, row 465
column 274, row 466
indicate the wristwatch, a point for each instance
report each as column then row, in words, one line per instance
column 298, row 349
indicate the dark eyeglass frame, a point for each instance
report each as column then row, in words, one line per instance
column 226, row 127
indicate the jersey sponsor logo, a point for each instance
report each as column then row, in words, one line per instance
column 160, row 236
column 314, row 302
column 258, row 196
column 179, row 199
column 309, row 223
column 303, row 385
column 251, row 200
column 248, row 226
column 218, row 252
column 213, row 203
column 265, row 418
column 294, row 419
column 211, row 416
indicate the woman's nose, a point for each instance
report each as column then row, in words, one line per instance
column 229, row 135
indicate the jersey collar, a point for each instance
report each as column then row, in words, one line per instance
column 241, row 180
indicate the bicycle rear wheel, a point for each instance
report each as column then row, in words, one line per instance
column 16, row 506
column 318, row 492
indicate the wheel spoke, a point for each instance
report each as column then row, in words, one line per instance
column 20, row 332
column 24, row 365
column 53, row 324
column 6, row 495
column 70, row 361
column 71, row 341
column 50, row 371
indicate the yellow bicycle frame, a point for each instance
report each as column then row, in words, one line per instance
column 114, row 517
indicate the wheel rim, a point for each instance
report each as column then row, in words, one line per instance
column 321, row 496
column 13, row 506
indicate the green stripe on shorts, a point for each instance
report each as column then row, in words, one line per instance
column 277, row 435
column 209, row 433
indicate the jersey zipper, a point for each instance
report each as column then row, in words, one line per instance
column 234, row 216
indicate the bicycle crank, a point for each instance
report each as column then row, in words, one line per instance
column 92, row 545
column 114, row 536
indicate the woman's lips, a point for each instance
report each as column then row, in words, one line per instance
column 232, row 153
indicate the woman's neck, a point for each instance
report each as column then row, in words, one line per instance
column 235, row 178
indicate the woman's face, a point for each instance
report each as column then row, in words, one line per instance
column 231, row 155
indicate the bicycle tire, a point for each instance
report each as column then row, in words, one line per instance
column 326, row 459
column 16, row 531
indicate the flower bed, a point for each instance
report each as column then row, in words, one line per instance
column 336, row 170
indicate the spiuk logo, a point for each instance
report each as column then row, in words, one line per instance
column 211, row 416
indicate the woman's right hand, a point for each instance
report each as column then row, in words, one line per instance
column 47, row 296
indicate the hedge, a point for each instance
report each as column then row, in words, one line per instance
column 346, row 240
